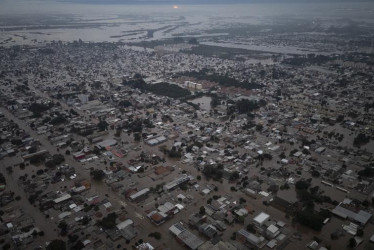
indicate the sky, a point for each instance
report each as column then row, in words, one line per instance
column 179, row 1
column 201, row 1
column 20, row 7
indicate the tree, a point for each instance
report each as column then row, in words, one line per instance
column 352, row 243
column 64, row 228
column 251, row 228
column 38, row 108
column 214, row 102
column 56, row 245
column 85, row 220
column 78, row 246
column 174, row 153
column 156, row 235
column 16, row 141
column 98, row 174
column 58, row 120
column 213, row 172
column 302, row 184
column 9, row 169
column 246, row 106
column 102, row 125
column 234, row 176
column 366, row 203
column 361, row 139
column 259, row 127
column 109, row 221
column 315, row 174
column 6, row 246
column 73, row 112
column 367, row 172
column 202, row 210
column 310, row 219
column 56, row 160
column 233, row 237
column 137, row 137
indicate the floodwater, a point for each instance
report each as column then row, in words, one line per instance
column 38, row 23
column 204, row 102
column 278, row 49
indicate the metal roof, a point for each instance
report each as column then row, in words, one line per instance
column 261, row 218
column 191, row 240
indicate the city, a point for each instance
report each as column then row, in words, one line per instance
column 257, row 138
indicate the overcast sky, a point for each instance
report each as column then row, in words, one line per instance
column 201, row 1
column 180, row 1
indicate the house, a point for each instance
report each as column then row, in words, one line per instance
column 219, row 246
column 281, row 204
column 247, row 237
column 145, row 246
column 185, row 237
column 261, row 218
column 208, row 230
column 272, row 231
column 106, row 143
column 177, row 182
column 140, row 195
column 62, row 198
column 157, row 218
column 127, row 229
column 196, row 219
column 251, row 193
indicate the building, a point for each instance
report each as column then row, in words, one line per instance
column 247, row 237
column 29, row 156
column 163, row 213
column 145, row 246
column 156, row 140
column 157, row 217
column 193, row 86
column 185, row 237
column 124, row 224
column 345, row 211
column 62, row 198
column 106, row 143
column 272, row 231
column 251, row 193
column 261, row 218
column 219, row 246
column 140, row 195
column 208, row 230
column 177, row 182
column 127, row 229
column 281, row 204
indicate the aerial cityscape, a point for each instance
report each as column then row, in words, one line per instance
column 175, row 125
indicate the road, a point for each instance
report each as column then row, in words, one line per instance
column 133, row 211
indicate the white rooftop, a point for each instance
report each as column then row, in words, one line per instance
column 261, row 218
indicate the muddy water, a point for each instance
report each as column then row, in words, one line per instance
column 204, row 102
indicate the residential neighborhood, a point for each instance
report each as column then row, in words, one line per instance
column 104, row 146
